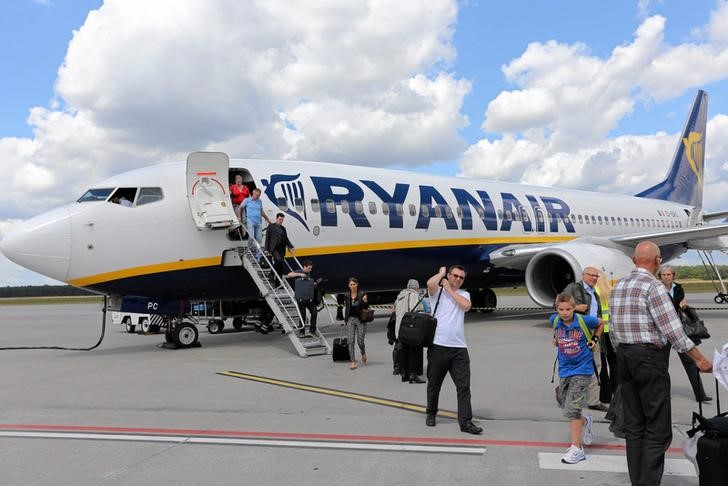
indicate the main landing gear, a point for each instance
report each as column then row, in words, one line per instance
column 483, row 300
column 180, row 334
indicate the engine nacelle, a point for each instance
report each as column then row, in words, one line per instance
column 556, row 267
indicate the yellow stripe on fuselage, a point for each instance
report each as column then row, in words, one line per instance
column 146, row 270
column 316, row 251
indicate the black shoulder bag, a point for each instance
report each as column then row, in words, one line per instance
column 418, row 328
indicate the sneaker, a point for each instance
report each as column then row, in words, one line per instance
column 573, row 455
column 587, row 436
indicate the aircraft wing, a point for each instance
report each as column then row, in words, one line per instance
column 694, row 237
column 715, row 215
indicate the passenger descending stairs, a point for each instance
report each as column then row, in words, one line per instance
column 281, row 300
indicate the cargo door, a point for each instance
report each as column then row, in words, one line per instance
column 208, row 192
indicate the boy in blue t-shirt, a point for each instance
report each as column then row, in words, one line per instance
column 574, row 339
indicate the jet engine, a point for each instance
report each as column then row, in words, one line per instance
column 555, row 267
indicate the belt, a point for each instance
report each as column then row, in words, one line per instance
column 642, row 345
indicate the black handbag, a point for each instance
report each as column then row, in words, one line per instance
column 366, row 315
column 418, row 328
column 694, row 326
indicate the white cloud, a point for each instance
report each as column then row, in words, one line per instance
column 147, row 82
column 553, row 128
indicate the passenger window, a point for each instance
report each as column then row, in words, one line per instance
column 398, row 209
column 148, row 195
column 459, row 212
column 606, row 220
column 599, row 218
column 425, row 211
column 438, row 212
column 613, row 220
column 372, row 207
column 580, row 219
column 524, row 215
column 593, row 220
column 412, row 210
column 573, row 218
column 345, row 207
column 500, row 214
column 359, row 207
column 481, row 213
column 385, row 209
column 330, row 206
column 282, row 203
column 298, row 203
column 315, row 205
column 507, row 215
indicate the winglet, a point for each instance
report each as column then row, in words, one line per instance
column 684, row 181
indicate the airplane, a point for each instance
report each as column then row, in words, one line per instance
column 172, row 242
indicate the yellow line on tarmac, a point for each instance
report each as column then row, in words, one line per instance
column 412, row 407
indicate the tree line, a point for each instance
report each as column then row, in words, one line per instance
column 42, row 291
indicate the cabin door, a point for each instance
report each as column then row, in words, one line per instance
column 208, row 192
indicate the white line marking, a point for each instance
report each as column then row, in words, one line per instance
column 250, row 442
column 609, row 463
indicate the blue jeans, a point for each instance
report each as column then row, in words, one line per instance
column 255, row 230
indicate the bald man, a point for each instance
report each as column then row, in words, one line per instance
column 587, row 303
column 643, row 321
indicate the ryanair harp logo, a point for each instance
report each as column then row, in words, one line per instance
column 694, row 152
column 290, row 189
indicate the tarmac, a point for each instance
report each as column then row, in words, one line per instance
column 245, row 409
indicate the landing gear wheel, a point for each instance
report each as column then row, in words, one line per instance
column 144, row 324
column 185, row 335
column 238, row 323
column 489, row 300
column 130, row 328
column 719, row 299
column 215, row 326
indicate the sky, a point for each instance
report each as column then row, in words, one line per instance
column 526, row 91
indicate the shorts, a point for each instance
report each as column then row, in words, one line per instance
column 572, row 391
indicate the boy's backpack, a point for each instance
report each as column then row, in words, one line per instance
column 587, row 333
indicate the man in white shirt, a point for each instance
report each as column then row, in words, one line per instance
column 449, row 353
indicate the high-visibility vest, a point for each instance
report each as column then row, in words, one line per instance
column 604, row 310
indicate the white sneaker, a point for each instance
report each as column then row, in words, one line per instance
column 573, row 455
column 587, row 435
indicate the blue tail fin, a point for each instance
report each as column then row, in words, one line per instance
column 684, row 181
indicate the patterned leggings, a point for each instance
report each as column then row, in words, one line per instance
column 356, row 329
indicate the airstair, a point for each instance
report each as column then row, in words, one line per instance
column 280, row 297
column 711, row 268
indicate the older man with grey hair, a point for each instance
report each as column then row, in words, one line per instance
column 410, row 357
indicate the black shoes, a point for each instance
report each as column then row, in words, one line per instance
column 705, row 398
column 600, row 407
column 396, row 371
column 470, row 428
column 416, row 379
column 430, row 420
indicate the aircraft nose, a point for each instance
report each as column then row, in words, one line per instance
column 41, row 244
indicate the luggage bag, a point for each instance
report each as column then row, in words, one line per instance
column 304, row 290
column 340, row 350
column 712, row 455
column 418, row 328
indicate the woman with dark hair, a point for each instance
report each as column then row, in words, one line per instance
column 677, row 294
column 356, row 301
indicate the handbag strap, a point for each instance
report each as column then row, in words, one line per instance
column 418, row 303
column 437, row 302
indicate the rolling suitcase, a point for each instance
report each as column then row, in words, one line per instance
column 712, row 455
column 340, row 350
column 304, row 290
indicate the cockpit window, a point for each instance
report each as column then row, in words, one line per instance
column 149, row 195
column 124, row 196
column 96, row 195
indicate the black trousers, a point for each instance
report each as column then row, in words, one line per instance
column 608, row 378
column 410, row 359
column 442, row 360
column 693, row 375
column 311, row 306
column 647, row 411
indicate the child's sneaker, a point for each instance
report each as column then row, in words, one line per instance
column 573, row 455
column 587, row 436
